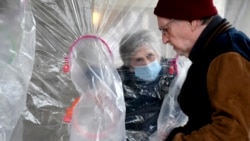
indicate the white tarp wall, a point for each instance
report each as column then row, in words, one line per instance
column 238, row 14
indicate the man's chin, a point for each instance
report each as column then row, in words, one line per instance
column 178, row 52
column 181, row 53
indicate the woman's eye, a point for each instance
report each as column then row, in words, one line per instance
column 138, row 60
column 150, row 55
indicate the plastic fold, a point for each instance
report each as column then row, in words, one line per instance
column 171, row 115
column 18, row 36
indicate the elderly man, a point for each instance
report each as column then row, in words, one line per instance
column 216, row 93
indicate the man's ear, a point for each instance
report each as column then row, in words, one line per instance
column 193, row 24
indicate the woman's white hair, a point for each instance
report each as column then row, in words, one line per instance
column 131, row 42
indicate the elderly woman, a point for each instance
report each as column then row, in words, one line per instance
column 146, row 77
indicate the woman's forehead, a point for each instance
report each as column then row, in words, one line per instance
column 144, row 50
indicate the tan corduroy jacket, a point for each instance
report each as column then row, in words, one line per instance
column 228, row 83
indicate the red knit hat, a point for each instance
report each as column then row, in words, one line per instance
column 185, row 9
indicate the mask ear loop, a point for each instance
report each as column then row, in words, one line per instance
column 66, row 66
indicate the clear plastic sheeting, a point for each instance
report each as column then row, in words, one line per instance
column 60, row 24
column 171, row 115
column 17, row 54
column 100, row 113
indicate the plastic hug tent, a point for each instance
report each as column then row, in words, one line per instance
column 171, row 115
column 76, row 60
column 100, row 111
column 17, row 35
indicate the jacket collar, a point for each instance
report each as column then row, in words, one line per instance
column 206, row 33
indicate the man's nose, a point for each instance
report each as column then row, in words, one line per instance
column 165, row 39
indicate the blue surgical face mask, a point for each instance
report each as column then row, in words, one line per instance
column 148, row 72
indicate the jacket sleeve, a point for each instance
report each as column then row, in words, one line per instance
column 228, row 83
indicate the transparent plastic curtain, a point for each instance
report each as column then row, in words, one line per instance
column 17, row 35
column 171, row 115
column 100, row 112
column 87, row 34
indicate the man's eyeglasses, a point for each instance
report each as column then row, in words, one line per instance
column 165, row 29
